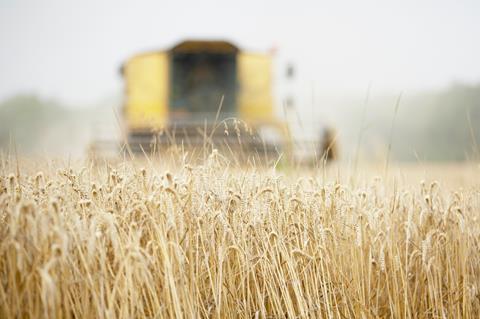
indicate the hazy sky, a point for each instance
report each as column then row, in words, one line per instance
column 72, row 50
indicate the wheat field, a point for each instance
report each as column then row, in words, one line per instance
column 133, row 240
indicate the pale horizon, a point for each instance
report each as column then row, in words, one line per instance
column 72, row 53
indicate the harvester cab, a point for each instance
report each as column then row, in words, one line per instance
column 202, row 94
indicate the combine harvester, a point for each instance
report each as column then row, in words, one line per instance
column 198, row 96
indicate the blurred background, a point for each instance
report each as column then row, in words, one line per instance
column 350, row 63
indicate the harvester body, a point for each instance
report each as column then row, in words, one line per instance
column 201, row 93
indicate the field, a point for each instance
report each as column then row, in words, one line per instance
column 138, row 240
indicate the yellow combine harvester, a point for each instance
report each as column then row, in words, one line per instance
column 202, row 93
